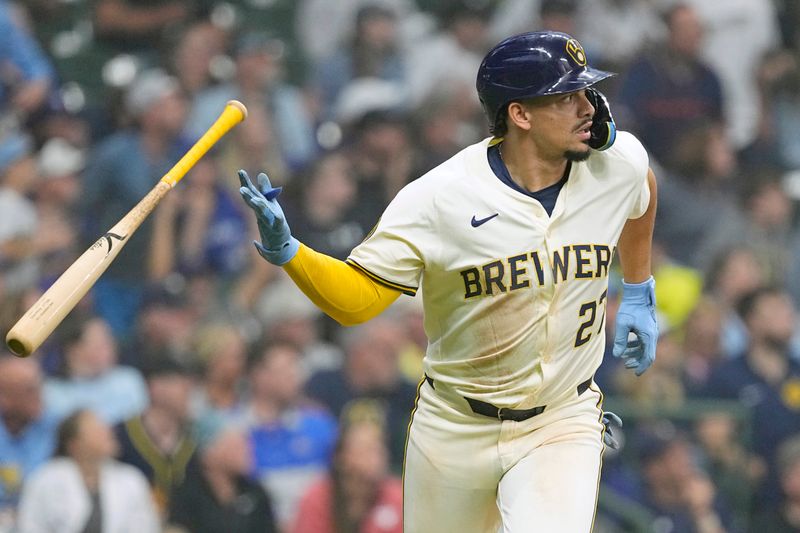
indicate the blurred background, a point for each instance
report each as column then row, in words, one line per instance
column 195, row 389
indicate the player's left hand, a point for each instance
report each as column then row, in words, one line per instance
column 609, row 440
column 637, row 315
column 604, row 130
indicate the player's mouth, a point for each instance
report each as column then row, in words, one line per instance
column 583, row 131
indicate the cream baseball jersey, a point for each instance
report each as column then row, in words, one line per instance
column 514, row 300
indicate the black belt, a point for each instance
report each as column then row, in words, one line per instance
column 502, row 413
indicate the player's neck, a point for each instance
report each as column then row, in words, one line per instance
column 528, row 168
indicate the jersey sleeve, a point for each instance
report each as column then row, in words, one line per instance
column 635, row 155
column 395, row 252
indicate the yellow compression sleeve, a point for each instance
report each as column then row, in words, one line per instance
column 348, row 295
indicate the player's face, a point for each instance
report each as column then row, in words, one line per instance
column 560, row 125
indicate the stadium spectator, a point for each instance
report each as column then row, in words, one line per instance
column 292, row 440
column 218, row 495
column 259, row 83
column 29, row 77
column 358, row 494
column 449, row 57
column 669, row 90
column 27, row 430
column 20, row 242
column 122, row 170
column 57, row 193
column 159, row 441
column 339, row 21
column 324, row 207
column 192, row 57
column 220, row 352
column 636, row 22
column 732, row 274
column 765, row 379
column 202, row 231
column 139, row 25
column 727, row 24
column 702, row 344
column 370, row 381
column 730, row 466
column 166, row 321
column 373, row 52
column 382, row 155
column 679, row 496
column 91, row 378
column 83, row 489
column 764, row 223
column 785, row 516
column 288, row 317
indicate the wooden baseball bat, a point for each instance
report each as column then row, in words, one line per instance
column 42, row 318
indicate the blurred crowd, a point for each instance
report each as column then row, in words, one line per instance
column 195, row 389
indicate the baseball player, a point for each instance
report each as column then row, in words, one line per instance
column 510, row 242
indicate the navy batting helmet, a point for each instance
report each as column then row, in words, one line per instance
column 533, row 64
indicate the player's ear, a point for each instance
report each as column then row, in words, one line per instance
column 519, row 115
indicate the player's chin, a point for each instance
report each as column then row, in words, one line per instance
column 578, row 154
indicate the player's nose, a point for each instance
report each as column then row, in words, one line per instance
column 586, row 109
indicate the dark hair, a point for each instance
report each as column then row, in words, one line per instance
column 68, row 431
column 720, row 261
column 500, row 126
column 747, row 303
column 342, row 523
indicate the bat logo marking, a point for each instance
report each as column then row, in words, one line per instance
column 109, row 236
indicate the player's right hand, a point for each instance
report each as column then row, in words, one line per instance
column 277, row 244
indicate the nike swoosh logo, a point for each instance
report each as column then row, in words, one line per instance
column 476, row 222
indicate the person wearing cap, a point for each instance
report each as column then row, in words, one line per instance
column 57, row 192
column 159, row 441
column 122, row 170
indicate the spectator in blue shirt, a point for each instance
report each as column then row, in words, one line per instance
column 292, row 440
column 370, row 383
column 92, row 379
column 27, row 430
column 122, row 170
column 28, row 89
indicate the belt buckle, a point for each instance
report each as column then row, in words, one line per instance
column 500, row 413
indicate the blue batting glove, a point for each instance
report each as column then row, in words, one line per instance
column 637, row 314
column 609, row 440
column 277, row 244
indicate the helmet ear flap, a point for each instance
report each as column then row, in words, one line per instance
column 604, row 130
